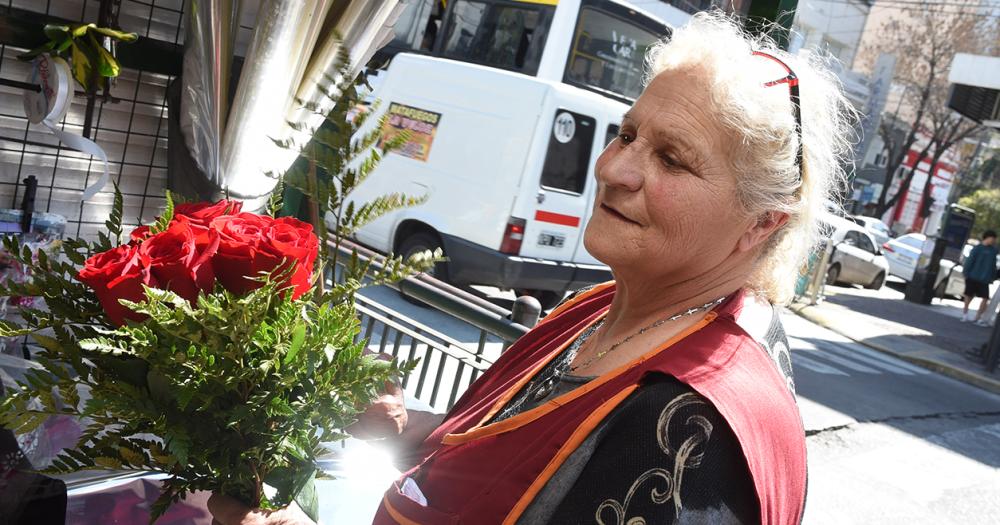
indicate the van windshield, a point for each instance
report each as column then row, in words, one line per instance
column 608, row 51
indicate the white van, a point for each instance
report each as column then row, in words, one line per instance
column 507, row 113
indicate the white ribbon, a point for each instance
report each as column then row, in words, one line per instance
column 48, row 106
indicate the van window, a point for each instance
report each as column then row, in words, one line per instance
column 499, row 35
column 568, row 155
column 612, row 134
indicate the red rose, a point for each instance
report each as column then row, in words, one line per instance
column 294, row 241
column 253, row 244
column 202, row 213
column 113, row 275
column 180, row 261
column 140, row 234
column 240, row 260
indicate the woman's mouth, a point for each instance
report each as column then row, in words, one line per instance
column 616, row 214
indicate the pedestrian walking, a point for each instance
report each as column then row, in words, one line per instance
column 980, row 269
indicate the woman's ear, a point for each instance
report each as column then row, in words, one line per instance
column 761, row 231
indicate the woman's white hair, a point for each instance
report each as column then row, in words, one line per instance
column 765, row 164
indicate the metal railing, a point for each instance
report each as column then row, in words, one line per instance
column 446, row 365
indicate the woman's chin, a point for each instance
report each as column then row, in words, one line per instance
column 606, row 248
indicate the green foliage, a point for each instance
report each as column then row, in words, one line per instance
column 986, row 202
column 163, row 221
column 340, row 156
column 81, row 43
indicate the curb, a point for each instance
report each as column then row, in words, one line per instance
column 978, row 380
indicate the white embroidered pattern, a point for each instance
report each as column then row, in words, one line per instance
column 695, row 431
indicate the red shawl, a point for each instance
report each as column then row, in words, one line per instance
column 479, row 473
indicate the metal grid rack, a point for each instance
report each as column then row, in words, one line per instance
column 131, row 127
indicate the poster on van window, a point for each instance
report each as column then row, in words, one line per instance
column 421, row 125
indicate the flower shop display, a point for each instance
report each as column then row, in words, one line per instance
column 207, row 346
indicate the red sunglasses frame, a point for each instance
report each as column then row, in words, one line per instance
column 793, row 94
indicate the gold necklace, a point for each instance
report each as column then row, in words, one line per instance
column 690, row 311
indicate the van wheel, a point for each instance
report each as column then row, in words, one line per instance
column 421, row 242
column 877, row 283
column 416, row 243
column 833, row 274
column 547, row 298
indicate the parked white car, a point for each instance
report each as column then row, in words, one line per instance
column 877, row 228
column 855, row 258
column 903, row 255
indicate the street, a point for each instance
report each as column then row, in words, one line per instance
column 888, row 442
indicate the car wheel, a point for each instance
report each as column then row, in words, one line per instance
column 833, row 274
column 877, row 283
column 419, row 242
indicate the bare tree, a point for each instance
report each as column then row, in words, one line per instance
column 947, row 128
column 924, row 45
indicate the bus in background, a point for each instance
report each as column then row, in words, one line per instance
column 508, row 104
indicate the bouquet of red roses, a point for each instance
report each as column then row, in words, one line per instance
column 200, row 348
column 201, row 244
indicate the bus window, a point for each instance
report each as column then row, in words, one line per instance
column 568, row 155
column 494, row 34
column 608, row 50
column 417, row 26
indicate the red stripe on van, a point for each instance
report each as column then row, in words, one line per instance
column 557, row 218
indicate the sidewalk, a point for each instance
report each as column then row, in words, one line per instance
column 931, row 336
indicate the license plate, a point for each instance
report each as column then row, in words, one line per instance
column 552, row 240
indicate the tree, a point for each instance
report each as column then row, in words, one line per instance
column 984, row 174
column 924, row 45
column 947, row 128
column 986, row 202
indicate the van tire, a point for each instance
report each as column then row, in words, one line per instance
column 418, row 242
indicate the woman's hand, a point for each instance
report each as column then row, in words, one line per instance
column 228, row 511
column 385, row 418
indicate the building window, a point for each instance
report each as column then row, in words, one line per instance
column 882, row 158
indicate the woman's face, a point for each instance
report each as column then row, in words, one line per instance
column 666, row 201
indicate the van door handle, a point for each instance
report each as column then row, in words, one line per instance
column 540, row 196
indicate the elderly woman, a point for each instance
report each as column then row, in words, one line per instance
column 664, row 396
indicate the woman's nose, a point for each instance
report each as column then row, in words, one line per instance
column 621, row 167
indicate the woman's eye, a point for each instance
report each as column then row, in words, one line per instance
column 669, row 161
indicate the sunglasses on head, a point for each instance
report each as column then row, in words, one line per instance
column 793, row 94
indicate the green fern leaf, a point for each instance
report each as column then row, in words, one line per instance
column 163, row 222
column 114, row 222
